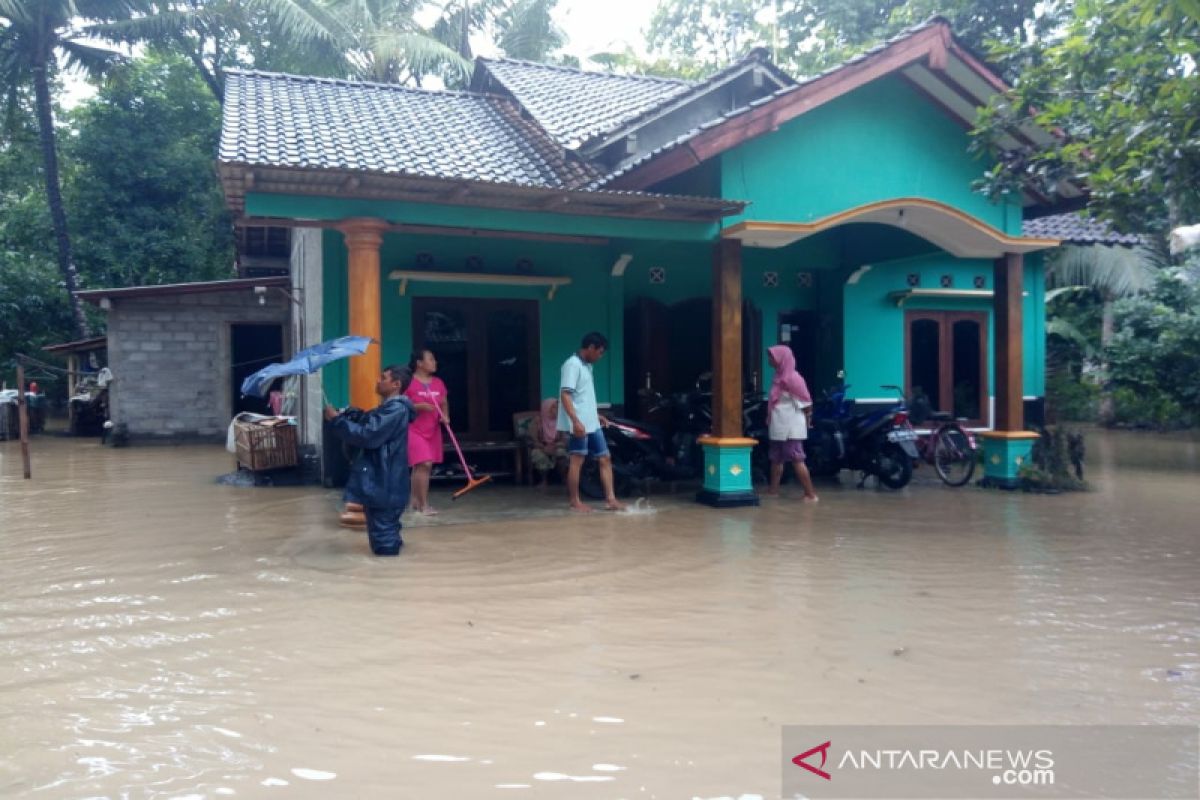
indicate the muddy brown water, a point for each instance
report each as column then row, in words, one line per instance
column 163, row 636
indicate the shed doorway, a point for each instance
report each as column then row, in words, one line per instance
column 488, row 357
column 252, row 348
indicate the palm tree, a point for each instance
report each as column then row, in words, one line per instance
column 34, row 36
column 386, row 43
column 1112, row 272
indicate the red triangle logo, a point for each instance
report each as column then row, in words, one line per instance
column 823, row 749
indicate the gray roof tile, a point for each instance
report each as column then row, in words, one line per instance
column 574, row 106
column 1077, row 228
column 291, row 121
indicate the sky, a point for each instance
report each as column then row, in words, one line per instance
column 592, row 26
column 595, row 26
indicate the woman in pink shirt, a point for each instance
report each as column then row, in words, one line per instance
column 428, row 395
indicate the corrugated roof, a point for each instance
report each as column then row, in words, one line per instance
column 1077, row 228
column 291, row 121
column 573, row 105
column 197, row 287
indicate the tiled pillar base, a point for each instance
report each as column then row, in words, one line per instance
column 1004, row 453
column 727, row 473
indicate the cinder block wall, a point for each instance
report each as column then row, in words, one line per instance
column 171, row 360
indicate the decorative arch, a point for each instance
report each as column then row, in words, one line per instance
column 950, row 228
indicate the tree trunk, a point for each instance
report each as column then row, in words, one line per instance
column 1107, row 412
column 58, row 216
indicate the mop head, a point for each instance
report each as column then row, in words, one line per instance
column 472, row 484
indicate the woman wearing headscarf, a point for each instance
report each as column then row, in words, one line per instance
column 546, row 448
column 787, row 421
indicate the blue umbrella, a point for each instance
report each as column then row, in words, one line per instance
column 306, row 362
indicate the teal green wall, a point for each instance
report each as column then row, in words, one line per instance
column 874, row 340
column 593, row 300
column 879, row 142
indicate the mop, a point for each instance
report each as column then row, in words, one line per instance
column 472, row 481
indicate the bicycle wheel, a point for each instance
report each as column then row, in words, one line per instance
column 953, row 455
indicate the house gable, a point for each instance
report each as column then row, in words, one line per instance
column 882, row 141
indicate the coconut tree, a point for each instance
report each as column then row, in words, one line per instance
column 37, row 38
column 386, row 43
column 1112, row 272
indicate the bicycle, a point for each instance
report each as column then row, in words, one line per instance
column 949, row 448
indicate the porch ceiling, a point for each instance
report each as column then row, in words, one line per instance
column 954, row 231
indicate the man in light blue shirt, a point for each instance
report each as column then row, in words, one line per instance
column 579, row 417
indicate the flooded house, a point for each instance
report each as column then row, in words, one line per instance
column 694, row 223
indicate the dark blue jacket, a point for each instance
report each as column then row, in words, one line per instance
column 379, row 476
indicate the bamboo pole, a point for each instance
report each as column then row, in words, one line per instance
column 23, row 420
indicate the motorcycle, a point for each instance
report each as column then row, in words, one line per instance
column 879, row 443
column 642, row 452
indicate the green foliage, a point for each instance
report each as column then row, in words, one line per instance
column 1056, row 464
column 1118, row 82
column 1154, row 358
column 808, row 36
column 144, row 199
column 1071, row 399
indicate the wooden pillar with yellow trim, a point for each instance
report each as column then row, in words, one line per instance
column 727, row 473
column 1007, row 448
column 363, row 238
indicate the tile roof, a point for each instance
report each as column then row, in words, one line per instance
column 686, row 136
column 1077, row 228
column 573, row 105
column 291, row 121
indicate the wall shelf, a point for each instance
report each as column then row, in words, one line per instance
column 551, row 282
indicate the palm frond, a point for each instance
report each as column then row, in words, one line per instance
column 1061, row 290
column 303, row 20
column 1065, row 330
column 528, row 30
column 1117, row 271
column 91, row 60
column 149, row 27
column 419, row 51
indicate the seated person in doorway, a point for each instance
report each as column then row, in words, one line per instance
column 379, row 477
column 579, row 416
column 547, row 452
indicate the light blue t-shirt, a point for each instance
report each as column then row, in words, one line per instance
column 577, row 379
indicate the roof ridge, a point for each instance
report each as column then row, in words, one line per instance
column 397, row 87
column 756, row 56
column 579, row 71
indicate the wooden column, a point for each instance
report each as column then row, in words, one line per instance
column 727, row 339
column 363, row 238
column 1008, row 280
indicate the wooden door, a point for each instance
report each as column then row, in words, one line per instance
column 488, row 357
column 647, row 354
column 946, row 360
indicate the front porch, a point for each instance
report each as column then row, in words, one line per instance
column 503, row 308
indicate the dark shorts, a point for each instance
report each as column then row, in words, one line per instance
column 785, row 452
column 593, row 444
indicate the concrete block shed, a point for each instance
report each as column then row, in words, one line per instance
column 177, row 352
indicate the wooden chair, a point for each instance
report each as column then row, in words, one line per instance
column 522, row 421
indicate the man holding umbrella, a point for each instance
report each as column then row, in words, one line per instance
column 379, row 477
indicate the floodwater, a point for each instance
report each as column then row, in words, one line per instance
column 162, row 636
